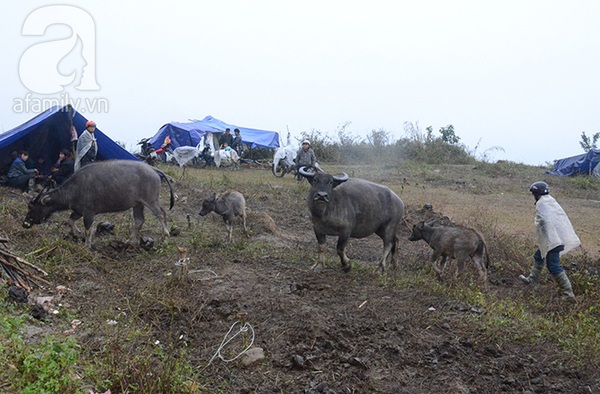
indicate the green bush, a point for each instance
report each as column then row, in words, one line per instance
column 45, row 367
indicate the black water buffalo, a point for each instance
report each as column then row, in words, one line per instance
column 108, row 186
column 352, row 208
column 229, row 205
column 457, row 242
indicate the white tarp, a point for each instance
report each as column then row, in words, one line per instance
column 226, row 158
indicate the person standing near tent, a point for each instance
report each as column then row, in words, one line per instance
column 226, row 137
column 237, row 144
column 555, row 236
column 20, row 176
column 87, row 147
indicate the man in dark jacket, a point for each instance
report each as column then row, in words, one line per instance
column 226, row 137
column 237, row 144
column 306, row 158
column 20, row 176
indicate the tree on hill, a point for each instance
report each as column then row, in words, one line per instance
column 588, row 143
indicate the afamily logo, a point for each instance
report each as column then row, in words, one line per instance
column 42, row 65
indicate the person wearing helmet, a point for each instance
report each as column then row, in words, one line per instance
column 305, row 158
column 87, row 148
column 555, row 236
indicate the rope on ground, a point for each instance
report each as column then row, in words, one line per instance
column 246, row 327
column 215, row 275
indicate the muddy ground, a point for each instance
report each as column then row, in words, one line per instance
column 329, row 332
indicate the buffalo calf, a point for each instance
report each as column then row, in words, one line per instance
column 458, row 243
column 229, row 205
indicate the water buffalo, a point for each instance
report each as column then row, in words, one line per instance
column 229, row 205
column 352, row 208
column 108, row 186
column 457, row 242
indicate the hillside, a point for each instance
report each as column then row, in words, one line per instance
column 136, row 320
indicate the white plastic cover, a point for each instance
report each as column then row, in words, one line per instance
column 86, row 139
column 226, row 158
column 287, row 153
column 184, row 154
column 553, row 226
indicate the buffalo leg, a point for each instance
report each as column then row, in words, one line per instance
column 434, row 257
column 389, row 247
column 478, row 260
column 161, row 215
column 138, row 221
column 244, row 221
column 320, row 264
column 228, row 219
column 71, row 222
column 90, row 230
column 341, row 251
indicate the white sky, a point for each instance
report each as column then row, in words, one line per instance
column 521, row 75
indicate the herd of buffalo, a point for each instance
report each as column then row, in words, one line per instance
column 339, row 206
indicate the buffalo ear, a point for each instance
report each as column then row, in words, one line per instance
column 213, row 197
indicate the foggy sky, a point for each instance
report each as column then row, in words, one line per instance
column 519, row 75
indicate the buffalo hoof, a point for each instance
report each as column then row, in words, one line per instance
column 146, row 243
column 346, row 268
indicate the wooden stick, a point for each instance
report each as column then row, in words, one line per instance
column 20, row 260
column 23, row 272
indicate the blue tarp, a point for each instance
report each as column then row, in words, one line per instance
column 190, row 134
column 254, row 138
column 584, row 164
column 45, row 135
column 181, row 134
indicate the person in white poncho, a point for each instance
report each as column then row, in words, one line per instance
column 87, row 148
column 555, row 236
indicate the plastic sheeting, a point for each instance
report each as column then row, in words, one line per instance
column 185, row 154
column 285, row 153
column 585, row 164
column 181, row 134
column 553, row 226
column 226, row 158
column 254, row 138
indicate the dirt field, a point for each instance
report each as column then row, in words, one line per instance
column 321, row 333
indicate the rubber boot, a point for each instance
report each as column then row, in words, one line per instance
column 534, row 276
column 565, row 286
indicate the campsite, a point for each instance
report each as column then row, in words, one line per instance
column 151, row 318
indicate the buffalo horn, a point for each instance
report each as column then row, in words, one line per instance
column 304, row 173
column 341, row 178
column 44, row 199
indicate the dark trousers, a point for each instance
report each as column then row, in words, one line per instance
column 23, row 182
column 552, row 259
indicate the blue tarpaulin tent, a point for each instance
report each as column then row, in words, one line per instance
column 181, row 134
column 584, row 164
column 190, row 134
column 45, row 135
column 254, row 138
